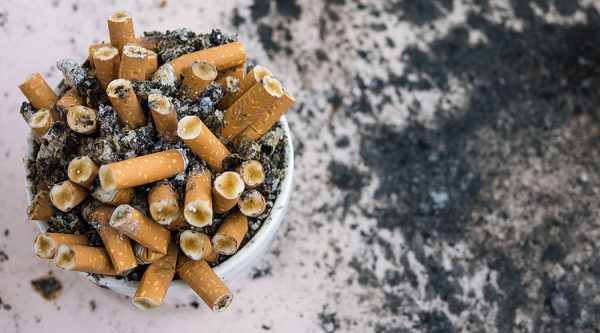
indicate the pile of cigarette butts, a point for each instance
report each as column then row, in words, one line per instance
column 167, row 241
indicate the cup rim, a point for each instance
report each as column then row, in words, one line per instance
column 225, row 268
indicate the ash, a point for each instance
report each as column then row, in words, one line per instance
column 114, row 142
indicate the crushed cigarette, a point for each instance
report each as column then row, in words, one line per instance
column 203, row 280
column 195, row 245
column 41, row 207
column 66, row 195
column 45, row 244
column 198, row 201
column 142, row 170
column 230, row 234
column 82, row 119
column 82, row 171
column 202, row 141
column 254, row 103
column 144, row 255
column 227, row 189
column 263, row 124
column 153, row 286
column 140, row 228
column 252, row 203
column 162, row 203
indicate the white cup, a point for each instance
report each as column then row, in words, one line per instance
column 178, row 291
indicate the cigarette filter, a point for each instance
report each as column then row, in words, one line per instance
column 164, row 116
column 163, row 205
column 120, row 29
column 133, row 63
column 203, row 280
column 195, row 245
column 91, row 50
column 106, row 59
column 142, row 169
column 118, row 245
column 38, row 92
column 264, row 123
column 82, row 171
column 70, row 98
column 222, row 56
column 252, row 173
column 197, row 77
column 113, row 197
column 45, row 244
column 226, row 191
column 156, row 280
column 66, row 195
column 123, row 99
column 82, row 119
column 255, row 102
column 236, row 73
column 40, row 122
column 202, row 141
column 41, row 208
column 198, row 201
column 252, row 203
column 230, row 234
column 248, row 81
column 81, row 258
column 140, row 228
column 151, row 64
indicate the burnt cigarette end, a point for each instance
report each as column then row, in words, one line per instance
column 230, row 234
column 82, row 170
column 252, row 203
column 194, row 244
column 41, row 208
column 107, row 178
column 252, row 173
column 66, row 195
column 44, row 246
column 82, row 119
column 40, row 122
column 65, row 258
column 227, row 189
column 198, row 213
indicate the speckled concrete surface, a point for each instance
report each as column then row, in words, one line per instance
column 447, row 157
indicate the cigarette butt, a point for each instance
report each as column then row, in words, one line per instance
column 197, row 77
column 162, row 202
column 151, row 63
column 222, row 56
column 264, row 123
column 236, row 73
column 38, row 92
column 126, row 104
column 203, row 280
column 228, row 82
column 82, row 171
column 252, row 173
column 156, row 280
column 66, row 195
column 212, row 257
column 230, row 234
column 41, row 208
column 120, row 29
column 252, row 203
column 82, row 119
column 144, row 255
column 46, row 244
column 202, row 141
column 253, row 77
column 164, row 116
column 40, row 122
column 179, row 223
column 140, row 228
column 148, row 42
column 198, row 201
column 195, row 245
column 113, row 197
column 226, row 191
column 118, row 245
column 106, row 60
column 133, row 63
column 70, row 98
column 82, row 258
column 91, row 50
column 142, row 170
column 254, row 103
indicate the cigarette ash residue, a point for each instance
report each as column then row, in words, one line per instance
column 48, row 287
column 114, row 142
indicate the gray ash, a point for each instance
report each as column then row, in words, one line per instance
column 114, row 142
column 48, row 287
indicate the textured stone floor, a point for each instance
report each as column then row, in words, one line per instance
column 447, row 157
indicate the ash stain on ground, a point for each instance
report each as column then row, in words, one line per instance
column 49, row 288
